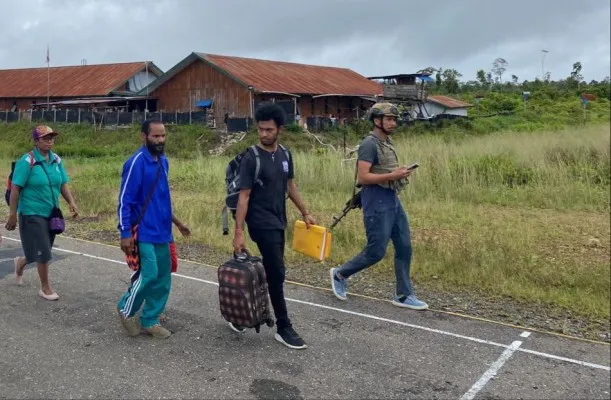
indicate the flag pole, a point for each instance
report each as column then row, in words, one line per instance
column 146, row 107
column 48, row 77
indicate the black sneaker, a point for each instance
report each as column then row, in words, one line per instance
column 290, row 338
column 237, row 328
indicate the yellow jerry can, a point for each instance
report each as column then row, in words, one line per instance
column 314, row 242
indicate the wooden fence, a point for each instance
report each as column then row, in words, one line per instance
column 105, row 118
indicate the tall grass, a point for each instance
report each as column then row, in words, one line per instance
column 518, row 214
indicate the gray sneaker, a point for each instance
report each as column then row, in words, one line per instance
column 131, row 324
column 159, row 332
column 410, row 301
column 339, row 286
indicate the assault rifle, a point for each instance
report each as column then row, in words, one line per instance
column 352, row 203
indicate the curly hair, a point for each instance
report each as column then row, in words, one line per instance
column 270, row 111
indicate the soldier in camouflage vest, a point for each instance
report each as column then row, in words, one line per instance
column 382, row 178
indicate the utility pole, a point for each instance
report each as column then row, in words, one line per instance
column 543, row 52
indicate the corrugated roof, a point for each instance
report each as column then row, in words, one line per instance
column 278, row 76
column 448, row 101
column 70, row 81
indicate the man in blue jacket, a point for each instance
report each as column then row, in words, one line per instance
column 145, row 202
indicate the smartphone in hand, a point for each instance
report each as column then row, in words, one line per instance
column 413, row 166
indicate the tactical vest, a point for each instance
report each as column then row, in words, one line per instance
column 387, row 162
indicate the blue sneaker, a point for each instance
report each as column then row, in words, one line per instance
column 339, row 285
column 410, row 301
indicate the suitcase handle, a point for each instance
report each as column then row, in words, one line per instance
column 241, row 257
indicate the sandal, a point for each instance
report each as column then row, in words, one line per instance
column 53, row 296
column 18, row 278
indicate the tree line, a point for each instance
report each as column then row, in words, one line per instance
column 447, row 81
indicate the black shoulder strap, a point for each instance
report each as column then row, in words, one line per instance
column 150, row 194
column 356, row 174
column 50, row 185
column 286, row 152
column 257, row 163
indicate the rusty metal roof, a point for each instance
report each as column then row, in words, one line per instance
column 69, row 81
column 278, row 76
column 448, row 101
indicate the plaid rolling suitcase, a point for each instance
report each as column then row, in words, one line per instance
column 243, row 293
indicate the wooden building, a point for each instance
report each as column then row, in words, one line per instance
column 234, row 86
column 28, row 88
column 404, row 88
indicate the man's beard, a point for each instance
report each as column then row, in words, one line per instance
column 155, row 149
column 269, row 142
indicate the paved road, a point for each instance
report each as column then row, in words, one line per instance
column 75, row 348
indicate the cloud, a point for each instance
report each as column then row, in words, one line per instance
column 371, row 38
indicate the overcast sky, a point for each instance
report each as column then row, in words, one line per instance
column 368, row 36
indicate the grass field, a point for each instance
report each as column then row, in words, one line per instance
column 524, row 215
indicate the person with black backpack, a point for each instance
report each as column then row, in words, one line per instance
column 266, row 177
column 36, row 181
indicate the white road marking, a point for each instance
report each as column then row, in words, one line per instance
column 368, row 316
column 570, row 360
column 492, row 371
column 525, row 334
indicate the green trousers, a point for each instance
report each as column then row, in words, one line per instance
column 150, row 285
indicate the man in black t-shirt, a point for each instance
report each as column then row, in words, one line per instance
column 262, row 205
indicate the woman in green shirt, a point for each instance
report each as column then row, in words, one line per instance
column 38, row 180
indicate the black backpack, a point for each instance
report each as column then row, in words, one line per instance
column 9, row 181
column 232, row 182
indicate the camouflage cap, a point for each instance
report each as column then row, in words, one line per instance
column 43, row 130
column 383, row 109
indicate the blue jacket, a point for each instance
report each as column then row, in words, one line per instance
column 139, row 173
